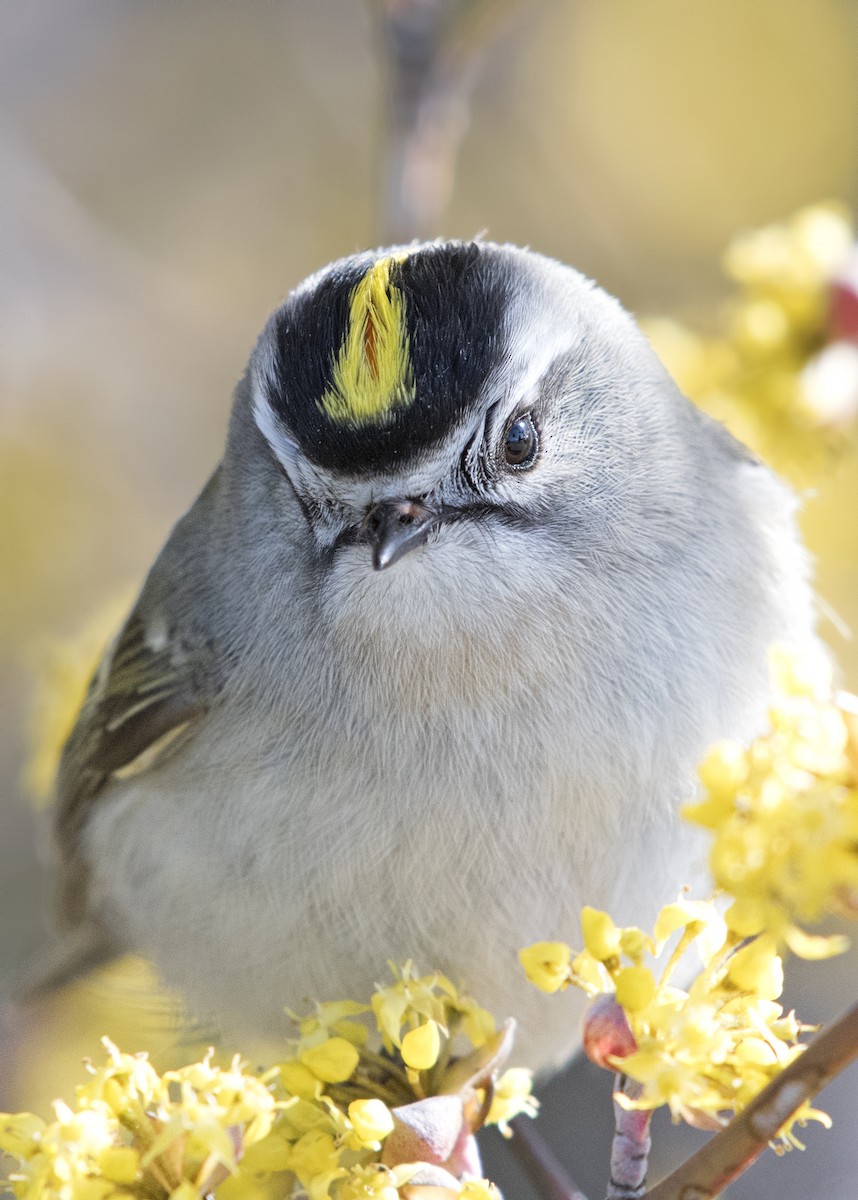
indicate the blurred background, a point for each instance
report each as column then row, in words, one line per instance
column 170, row 170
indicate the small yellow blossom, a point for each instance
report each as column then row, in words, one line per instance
column 376, row 1182
column 476, row 1023
column 547, row 965
column 300, row 1080
column 335, row 1017
column 332, row 1061
column 757, row 969
column 783, row 812
column 20, row 1133
column 634, row 943
column 121, row 1164
column 511, row 1096
column 314, row 1153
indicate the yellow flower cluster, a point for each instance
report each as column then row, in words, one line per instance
column 336, row 1120
column 705, row 1051
column 133, row 1131
column 784, row 817
column 776, row 372
column 784, row 813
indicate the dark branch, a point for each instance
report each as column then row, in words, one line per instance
column 537, row 1160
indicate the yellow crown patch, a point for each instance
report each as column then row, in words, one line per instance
column 372, row 373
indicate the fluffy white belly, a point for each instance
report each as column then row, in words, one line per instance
column 308, row 887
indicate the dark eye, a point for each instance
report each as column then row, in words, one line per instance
column 521, row 443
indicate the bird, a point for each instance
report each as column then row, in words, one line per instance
column 431, row 661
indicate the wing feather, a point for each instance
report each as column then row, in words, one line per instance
column 149, row 694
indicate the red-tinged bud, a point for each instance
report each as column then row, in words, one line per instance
column 606, row 1034
column 843, row 303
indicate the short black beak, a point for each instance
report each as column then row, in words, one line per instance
column 393, row 527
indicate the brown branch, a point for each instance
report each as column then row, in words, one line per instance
column 706, row 1174
column 539, row 1163
column 435, row 51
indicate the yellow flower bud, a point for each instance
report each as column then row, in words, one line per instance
column 273, row 1153
column 635, row 988
column 601, row 936
column 19, row 1133
column 746, row 917
column 756, row 1051
column 313, row 1154
column 724, row 769
column 332, row 1061
column 757, row 969
column 546, row 964
column 300, row 1080
column 120, row 1164
column 421, row 1046
column 371, row 1120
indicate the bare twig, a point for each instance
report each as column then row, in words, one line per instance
column 539, row 1163
column 706, row 1174
column 435, row 50
column 631, row 1145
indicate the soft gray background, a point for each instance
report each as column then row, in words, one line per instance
column 171, row 169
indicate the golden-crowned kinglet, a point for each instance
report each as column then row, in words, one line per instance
column 430, row 662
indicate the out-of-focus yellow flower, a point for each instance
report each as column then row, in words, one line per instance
column 319, row 1121
column 376, row 1182
column 757, row 969
column 783, row 813
column 63, row 668
column 511, row 1097
column 314, row 1153
column 333, row 1060
column 335, row 1017
column 126, row 1082
column 134, row 1132
column 547, row 965
column 300, row 1080
column 20, row 1133
column 773, row 372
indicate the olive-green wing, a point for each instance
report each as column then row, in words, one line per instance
column 149, row 693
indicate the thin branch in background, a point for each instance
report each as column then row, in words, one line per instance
column 706, row 1174
column 435, row 51
column 539, row 1163
column 631, row 1145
